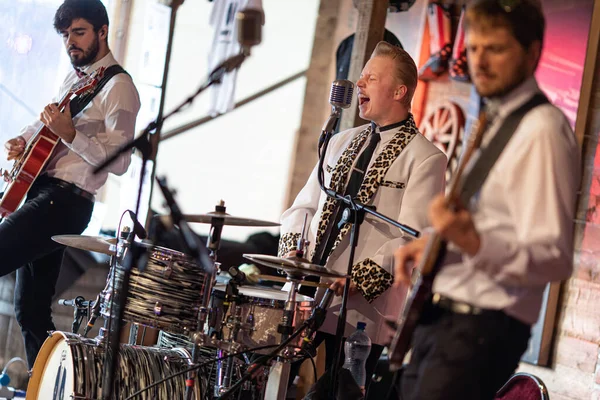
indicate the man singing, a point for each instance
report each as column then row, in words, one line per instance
column 387, row 164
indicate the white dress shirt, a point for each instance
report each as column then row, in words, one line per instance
column 524, row 214
column 102, row 127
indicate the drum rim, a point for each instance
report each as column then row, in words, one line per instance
column 39, row 366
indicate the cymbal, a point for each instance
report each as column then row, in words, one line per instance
column 97, row 244
column 293, row 266
column 283, row 279
column 228, row 219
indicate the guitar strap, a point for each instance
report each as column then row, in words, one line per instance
column 481, row 166
column 79, row 103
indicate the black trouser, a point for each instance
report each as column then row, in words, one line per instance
column 26, row 246
column 329, row 339
column 462, row 356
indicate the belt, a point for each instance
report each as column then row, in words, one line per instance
column 459, row 307
column 71, row 187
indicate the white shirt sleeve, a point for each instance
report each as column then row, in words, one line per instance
column 120, row 105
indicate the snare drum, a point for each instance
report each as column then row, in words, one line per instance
column 265, row 308
column 70, row 367
column 167, row 295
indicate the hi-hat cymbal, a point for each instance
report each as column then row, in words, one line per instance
column 293, row 266
column 228, row 219
column 97, row 244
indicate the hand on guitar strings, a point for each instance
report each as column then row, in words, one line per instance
column 455, row 225
column 406, row 258
column 452, row 223
column 60, row 123
column 14, row 147
column 338, row 287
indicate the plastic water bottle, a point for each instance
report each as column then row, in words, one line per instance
column 357, row 349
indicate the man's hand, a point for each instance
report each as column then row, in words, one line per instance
column 454, row 225
column 14, row 147
column 338, row 287
column 406, row 259
column 60, row 123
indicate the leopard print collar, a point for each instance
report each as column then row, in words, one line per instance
column 373, row 177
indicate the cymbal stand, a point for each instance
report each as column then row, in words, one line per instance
column 280, row 371
column 206, row 312
column 108, row 294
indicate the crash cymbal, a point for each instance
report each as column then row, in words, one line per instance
column 228, row 219
column 97, row 244
column 293, row 266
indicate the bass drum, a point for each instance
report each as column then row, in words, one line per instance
column 70, row 367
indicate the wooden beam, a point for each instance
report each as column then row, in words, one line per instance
column 589, row 81
column 369, row 31
column 316, row 95
column 587, row 124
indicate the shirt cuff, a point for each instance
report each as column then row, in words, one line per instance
column 79, row 144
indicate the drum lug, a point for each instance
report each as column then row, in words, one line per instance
column 168, row 270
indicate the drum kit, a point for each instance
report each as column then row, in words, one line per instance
column 219, row 329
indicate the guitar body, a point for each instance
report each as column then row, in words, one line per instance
column 26, row 170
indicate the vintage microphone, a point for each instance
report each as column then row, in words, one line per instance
column 340, row 97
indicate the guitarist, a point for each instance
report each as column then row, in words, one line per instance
column 61, row 200
column 513, row 238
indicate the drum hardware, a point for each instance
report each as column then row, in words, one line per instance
column 81, row 309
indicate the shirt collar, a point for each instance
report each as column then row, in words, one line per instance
column 515, row 98
column 388, row 131
column 105, row 61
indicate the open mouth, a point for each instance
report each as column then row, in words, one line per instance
column 363, row 100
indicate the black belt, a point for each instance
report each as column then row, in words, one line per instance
column 459, row 307
column 71, row 187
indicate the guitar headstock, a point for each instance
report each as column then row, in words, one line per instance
column 88, row 83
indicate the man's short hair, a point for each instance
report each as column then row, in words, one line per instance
column 523, row 18
column 92, row 11
column 406, row 69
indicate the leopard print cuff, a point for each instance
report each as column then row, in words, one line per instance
column 287, row 243
column 370, row 279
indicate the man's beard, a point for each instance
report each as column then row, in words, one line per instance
column 87, row 55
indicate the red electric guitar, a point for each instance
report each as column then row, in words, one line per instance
column 39, row 149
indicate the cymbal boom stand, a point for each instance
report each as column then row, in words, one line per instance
column 205, row 312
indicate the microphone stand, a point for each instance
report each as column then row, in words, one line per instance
column 355, row 211
column 144, row 145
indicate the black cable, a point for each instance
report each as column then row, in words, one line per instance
column 198, row 366
column 311, row 360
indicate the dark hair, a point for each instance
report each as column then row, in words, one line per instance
column 92, row 11
column 524, row 18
